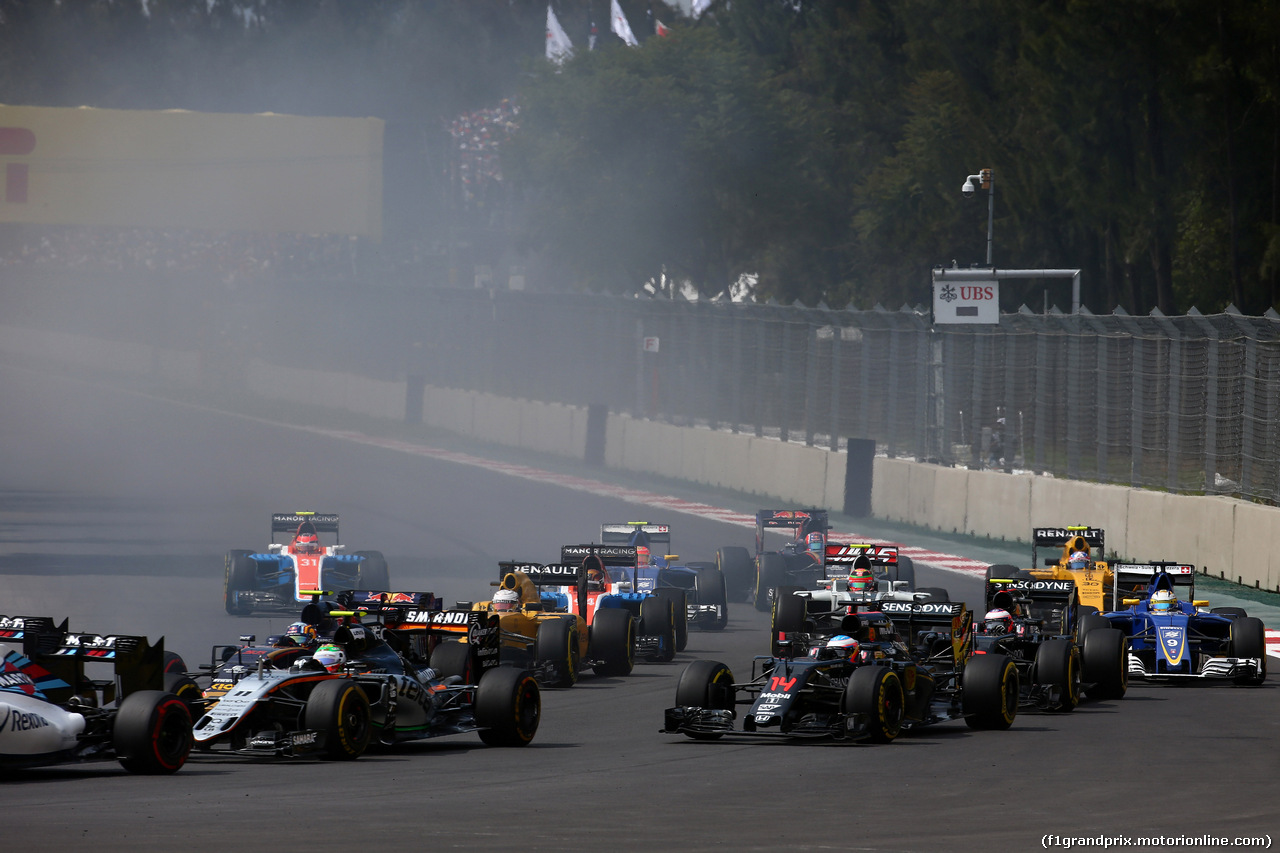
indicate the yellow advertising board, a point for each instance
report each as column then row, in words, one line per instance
column 180, row 169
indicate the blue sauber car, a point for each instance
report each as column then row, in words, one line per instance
column 1171, row 637
column 706, row 602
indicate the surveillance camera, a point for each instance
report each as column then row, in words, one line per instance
column 968, row 189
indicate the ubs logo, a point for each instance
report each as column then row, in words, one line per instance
column 16, row 142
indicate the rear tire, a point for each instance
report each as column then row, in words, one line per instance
column 1058, row 663
column 184, row 687
column 152, row 732
column 340, row 709
column 906, row 571
column 679, row 613
column 452, row 658
column 657, row 619
column 557, row 646
column 876, row 691
column 613, row 642
column 509, row 706
column 739, row 571
column 771, row 575
column 1104, row 663
column 373, row 572
column 990, row 698
column 789, row 613
column 241, row 576
column 1232, row 612
column 1088, row 623
column 713, row 590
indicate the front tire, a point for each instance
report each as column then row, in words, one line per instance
column 340, row 709
column 509, row 706
column 705, row 684
column 1249, row 640
column 657, row 619
column 876, row 691
column 1058, row 663
column 990, row 684
column 152, row 732
column 241, row 576
column 1105, row 664
column 712, row 589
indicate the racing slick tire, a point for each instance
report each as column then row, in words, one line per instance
column 452, row 658
column 1089, row 622
column 558, row 649
column 241, row 576
column 613, row 642
column 788, row 616
column 713, row 590
column 1104, row 663
column 186, row 689
column 935, row 593
column 990, row 685
column 373, row 571
column 657, row 619
column 705, row 684
column 739, row 571
column 1249, row 640
column 173, row 662
column 772, row 572
column 340, row 709
column 1058, row 663
column 679, row 613
column 508, row 706
column 152, row 732
column 876, row 691
column 906, row 571
column 1230, row 612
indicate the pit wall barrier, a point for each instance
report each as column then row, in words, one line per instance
column 1225, row 535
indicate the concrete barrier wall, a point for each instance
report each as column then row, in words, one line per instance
column 1224, row 535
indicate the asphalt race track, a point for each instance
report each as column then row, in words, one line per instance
column 116, row 509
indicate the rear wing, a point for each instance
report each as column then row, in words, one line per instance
column 376, row 601
column 657, row 536
column 136, row 663
column 36, row 634
column 287, row 522
column 1047, row 601
column 610, row 555
column 841, row 559
column 913, row 618
column 1058, row 536
column 479, row 629
column 1133, row 580
column 544, row 574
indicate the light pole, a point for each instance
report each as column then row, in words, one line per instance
column 988, row 183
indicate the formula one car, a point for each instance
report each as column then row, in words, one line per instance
column 1093, row 578
column 801, row 562
column 1171, row 638
column 286, row 702
column 608, row 581
column 865, row 683
column 51, row 713
column 701, row 585
column 1058, row 655
column 281, row 578
column 542, row 634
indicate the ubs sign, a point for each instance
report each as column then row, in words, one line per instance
column 976, row 301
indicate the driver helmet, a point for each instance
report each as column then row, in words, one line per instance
column 845, row 646
column 331, row 657
column 861, row 580
column 642, row 556
column 306, row 542
column 816, row 545
column 998, row 621
column 505, row 600
column 596, row 579
column 1164, row 601
column 1078, row 560
column 301, row 634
